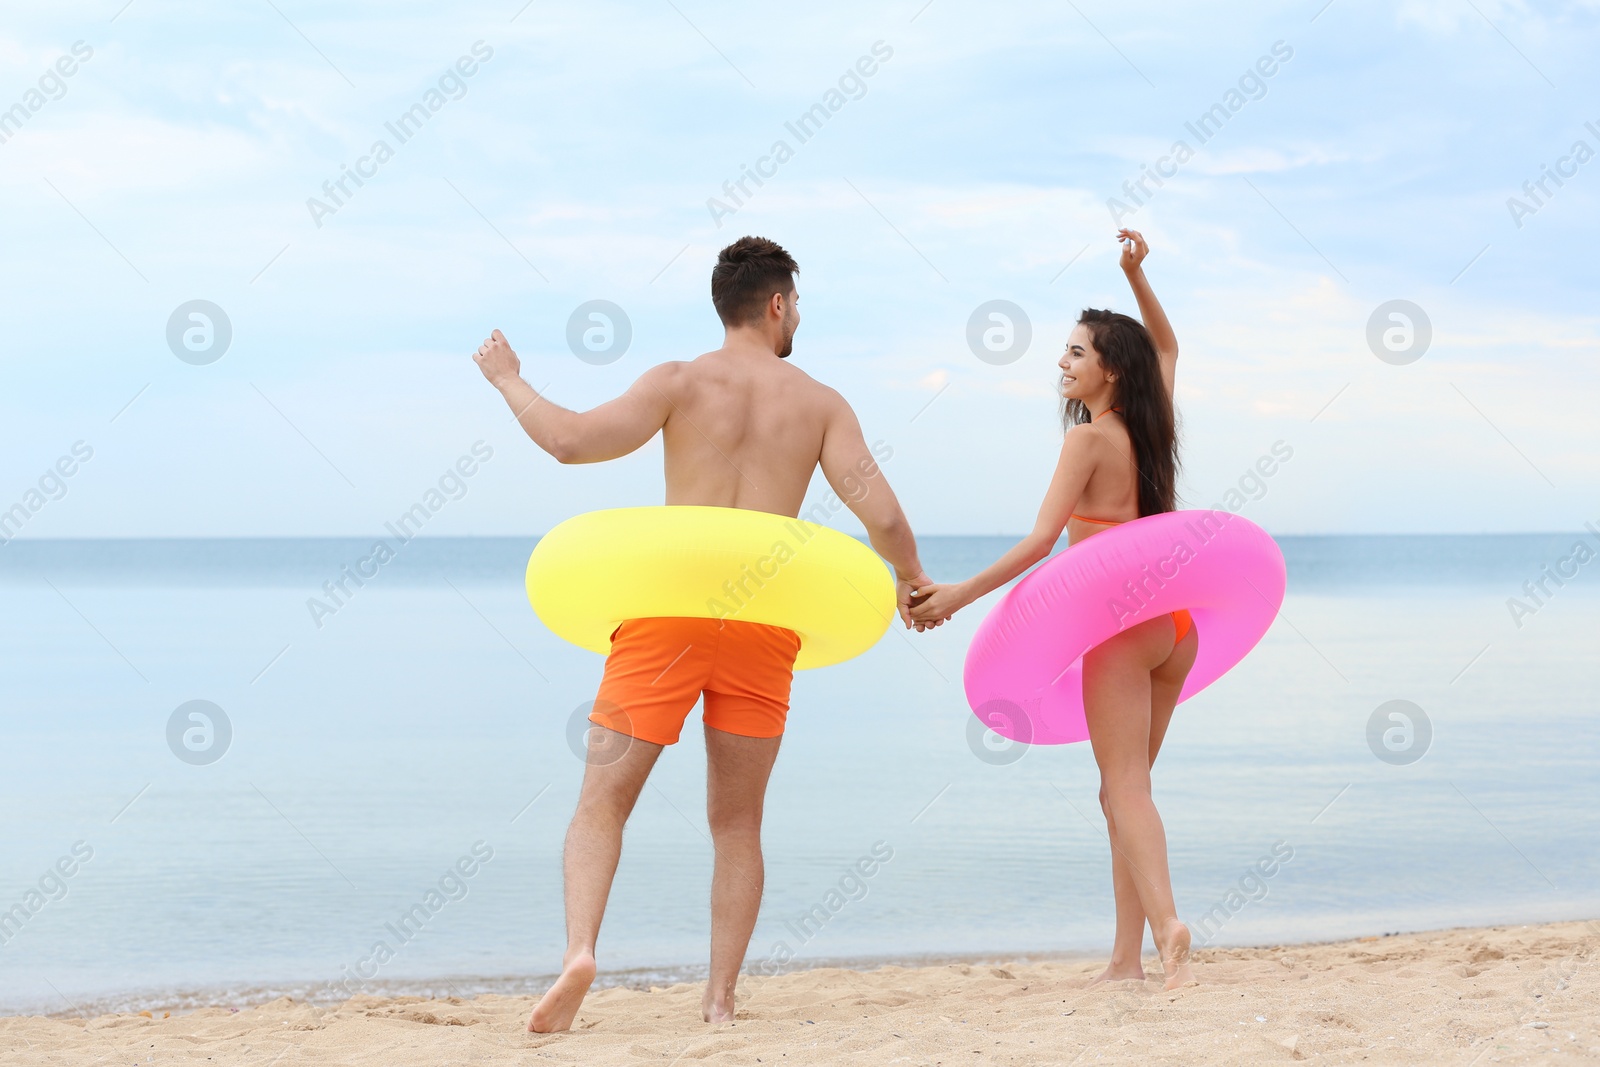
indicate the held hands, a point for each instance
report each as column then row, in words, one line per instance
column 497, row 361
column 934, row 604
column 1134, row 249
column 903, row 592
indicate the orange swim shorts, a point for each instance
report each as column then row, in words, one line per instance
column 658, row 668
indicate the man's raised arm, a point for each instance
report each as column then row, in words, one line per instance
column 613, row 429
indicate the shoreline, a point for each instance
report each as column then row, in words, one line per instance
column 646, row 978
column 184, row 1000
column 638, row 979
column 1525, row 994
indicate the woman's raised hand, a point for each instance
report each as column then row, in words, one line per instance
column 1134, row 249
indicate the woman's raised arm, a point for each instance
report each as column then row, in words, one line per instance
column 1134, row 249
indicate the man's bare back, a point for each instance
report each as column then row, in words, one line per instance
column 744, row 431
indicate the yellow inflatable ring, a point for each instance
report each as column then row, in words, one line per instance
column 595, row 570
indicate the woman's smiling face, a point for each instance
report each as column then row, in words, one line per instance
column 1082, row 375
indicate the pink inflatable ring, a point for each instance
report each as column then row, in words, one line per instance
column 1024, row 670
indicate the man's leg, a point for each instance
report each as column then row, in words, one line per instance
column 737, row 769
column 611, row 785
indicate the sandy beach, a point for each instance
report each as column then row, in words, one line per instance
column 1518, row 994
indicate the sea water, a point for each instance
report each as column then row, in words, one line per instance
column 398, row 771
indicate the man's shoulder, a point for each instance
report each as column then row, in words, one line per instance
column 667, row 375
column 715, row 364
column 800, row 379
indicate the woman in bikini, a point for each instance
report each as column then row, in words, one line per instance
column 1118, row 462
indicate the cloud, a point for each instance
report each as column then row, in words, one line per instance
column 1259, row 159
column 1449, row 17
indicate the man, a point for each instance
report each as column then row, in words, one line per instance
column 742, row 428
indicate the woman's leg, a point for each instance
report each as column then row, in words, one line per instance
column 1122, row 682
column 1166, row 682
column 1128, row 947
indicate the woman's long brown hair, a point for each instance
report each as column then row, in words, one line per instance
column 1126, row 351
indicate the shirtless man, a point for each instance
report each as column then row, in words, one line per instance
column 742, row 428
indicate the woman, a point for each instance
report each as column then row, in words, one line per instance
column 1118, row 462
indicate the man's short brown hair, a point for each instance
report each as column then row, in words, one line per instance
column 747, row 273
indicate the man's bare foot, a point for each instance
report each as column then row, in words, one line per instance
column 560, row 1003
column 717, row 1007
column 1174, row 947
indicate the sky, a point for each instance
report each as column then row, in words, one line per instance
column 1360, row 153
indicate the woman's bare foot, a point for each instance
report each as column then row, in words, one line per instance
column 1174, row 948
column 560, row 1003
column 1118, row 971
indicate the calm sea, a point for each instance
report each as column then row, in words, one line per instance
column 426, row 727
